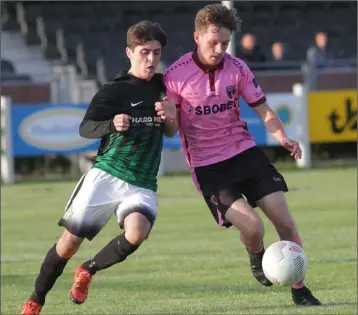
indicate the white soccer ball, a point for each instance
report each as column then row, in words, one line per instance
column 284, row 262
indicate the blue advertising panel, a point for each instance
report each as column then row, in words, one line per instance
column 172, row 143
column 54, row 129
column 49, row 129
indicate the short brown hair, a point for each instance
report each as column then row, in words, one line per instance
column 218, row 15
column 145, row 31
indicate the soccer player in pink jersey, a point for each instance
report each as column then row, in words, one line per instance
column 225, row 162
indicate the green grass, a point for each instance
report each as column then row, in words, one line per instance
column 188, row 265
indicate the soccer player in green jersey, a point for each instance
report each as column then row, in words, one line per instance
column 128, row 117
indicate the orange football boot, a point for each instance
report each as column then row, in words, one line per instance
column 31, row 308
column 79, row 291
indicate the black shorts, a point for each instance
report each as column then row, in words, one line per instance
column 247, row 174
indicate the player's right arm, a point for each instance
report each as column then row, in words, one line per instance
column 100, row 118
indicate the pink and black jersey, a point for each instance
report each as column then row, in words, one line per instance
column 210, row 126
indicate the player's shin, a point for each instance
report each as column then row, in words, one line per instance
column 297, row 239
column 253, row 245
column 116, row 251
column 51, row 268
column 242, row 216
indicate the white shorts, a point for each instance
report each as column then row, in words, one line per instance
column 97, row 196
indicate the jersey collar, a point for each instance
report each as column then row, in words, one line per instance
column 206, row 68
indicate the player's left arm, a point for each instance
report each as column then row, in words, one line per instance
column 98, row 119
column 254, row 96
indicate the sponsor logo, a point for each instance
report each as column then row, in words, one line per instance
column 68, row 214
column 212, row 95
column 135, row 104
column 236, row 62
column 258, row 94
column 285, row 114
column 345, row 122
column 216, row 108
column 138, row 120
column 214, row 201
column 336, row 121
column 147, row 120
column 54, row 129
column 295, row 249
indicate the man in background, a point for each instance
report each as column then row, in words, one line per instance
column 250, row 50
column 319, row 54
column 278, row 52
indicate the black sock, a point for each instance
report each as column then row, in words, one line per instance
column 51, row 268
column 116, row 251
column 260, row 254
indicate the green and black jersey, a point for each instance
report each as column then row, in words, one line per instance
column 133, row 155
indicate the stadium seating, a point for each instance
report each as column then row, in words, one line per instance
column 9, row 74
column 92, row 34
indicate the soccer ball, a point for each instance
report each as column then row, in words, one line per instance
column 284, row 262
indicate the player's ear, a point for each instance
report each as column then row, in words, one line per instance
column 196, row 37
column 129, row 52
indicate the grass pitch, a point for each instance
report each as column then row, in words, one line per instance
column 188, row 265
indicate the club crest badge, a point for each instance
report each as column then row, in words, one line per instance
column 230, row 91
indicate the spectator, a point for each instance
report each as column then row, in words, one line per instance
column 7, row 66
column 278, row 51
column 278, row 60
column 249, row 50
column 319, row 53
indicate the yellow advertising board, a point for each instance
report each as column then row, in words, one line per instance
column 332, row 116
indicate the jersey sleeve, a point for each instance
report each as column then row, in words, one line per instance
column 249, row 89
column 98, row 120
column 172, row 88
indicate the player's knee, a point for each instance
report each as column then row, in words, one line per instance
column 137, row 228
column 68, row 244
column 252, row 229
column 242, row 216
column 136, row 237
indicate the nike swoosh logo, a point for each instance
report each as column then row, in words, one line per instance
column 135, row 104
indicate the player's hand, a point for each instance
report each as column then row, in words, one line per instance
column 122, row 122
column 293, row 147
column 166, row 110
